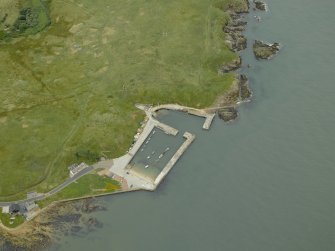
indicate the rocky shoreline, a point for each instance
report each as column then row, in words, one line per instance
column 68, row 218
column 239, row 91
column 233, row 28
column 236, row 41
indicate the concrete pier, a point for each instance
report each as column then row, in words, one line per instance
column 189, row 139
column 120, row 166
column 208, row 121
column 193, row 111
column 166, row 128
column 145, row 133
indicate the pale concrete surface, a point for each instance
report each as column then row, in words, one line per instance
column 189, row 139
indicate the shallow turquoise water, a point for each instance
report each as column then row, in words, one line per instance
column 263, row 182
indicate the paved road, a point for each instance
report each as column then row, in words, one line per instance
column 53, row 191
column 70, row 180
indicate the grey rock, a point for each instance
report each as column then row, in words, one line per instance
column 264, row 50
column 260, row 5
column 228, row 113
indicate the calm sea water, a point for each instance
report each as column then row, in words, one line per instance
column 263, row 182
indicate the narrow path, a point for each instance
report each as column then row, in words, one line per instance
column 53, row 191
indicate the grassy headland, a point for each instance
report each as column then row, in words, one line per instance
column 71, row 89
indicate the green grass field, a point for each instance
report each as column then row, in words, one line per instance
column 12, row 18
column 7, row 222
column 72, row 88
column 91, row 184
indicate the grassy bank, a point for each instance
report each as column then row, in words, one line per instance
column 71, row 89
column 7, row 222
column 89, row 185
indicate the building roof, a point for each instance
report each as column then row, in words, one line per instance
column 14, row 208
column 30, row 206
column 5, row 209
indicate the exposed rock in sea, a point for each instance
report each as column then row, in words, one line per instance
column 93, row 223
column 264, row 50
column 260, row 5
column 89, row 206
column 76, row 229
column 228, row 113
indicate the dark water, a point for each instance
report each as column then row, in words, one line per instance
column 263, row 182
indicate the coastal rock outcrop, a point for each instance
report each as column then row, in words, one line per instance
column 245, row 92
column 236, row 41
column 239, row 92
column 232, row 66
column 228, row 113
column 89, row 206
column 259, row 5
column 264, row 50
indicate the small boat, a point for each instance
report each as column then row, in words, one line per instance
column 160, row 156
column 146, row 166
column 148, row 157
column 153, row 152
column 167, row 149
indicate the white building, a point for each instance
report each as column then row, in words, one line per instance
column 5, row 210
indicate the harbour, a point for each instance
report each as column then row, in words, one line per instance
column 142, row 173
column 262, row 182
